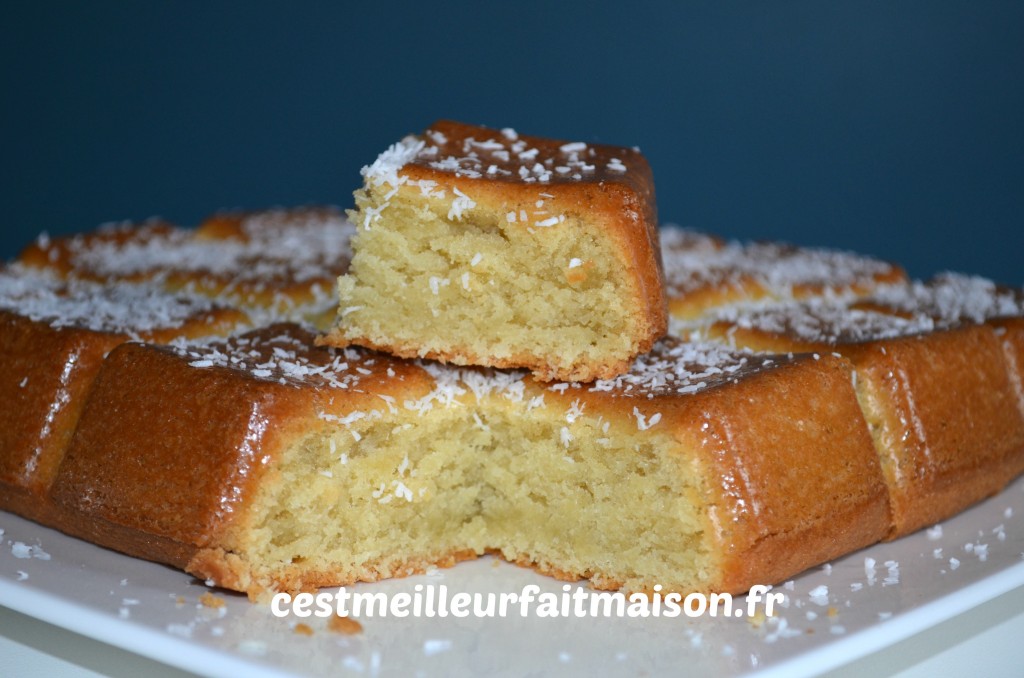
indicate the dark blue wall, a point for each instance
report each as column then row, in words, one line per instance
column 895, row 128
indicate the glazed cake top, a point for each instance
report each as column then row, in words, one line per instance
column 694, row 262
column 892, row 311
column 675, row 367
column 826, row 322
column 277, row 246
column 124, row 308
column 475, row 152
column 951, row 299
column 285, row 353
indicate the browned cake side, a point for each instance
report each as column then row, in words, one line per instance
column 1010, row 332
column 945, row 418
column 54, row 337
column 169, row 484
column 45, row 374
column 204, row 439
column 936, row 387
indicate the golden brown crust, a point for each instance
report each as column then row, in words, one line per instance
column 950, row 430
column 279, row 258
column 45, row 375
column 698, row 301
column 175, row 486
column 1010, row 333
column 236, row 225
column 202, row 459
column 943, row 408
column 801, row 483
column 47, row 368
column 705, row 273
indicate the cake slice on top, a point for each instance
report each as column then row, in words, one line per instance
column 483, row 247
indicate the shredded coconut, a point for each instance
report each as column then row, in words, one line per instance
column 124, row 308
column 695, row 261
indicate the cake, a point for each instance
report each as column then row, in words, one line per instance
column 278, row 263
column 937, row 377
column 54, row 337
column 704, row 273
column 486, row 247
column 743, row 451
column 294, row 468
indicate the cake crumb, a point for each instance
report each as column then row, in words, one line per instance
column 210, row 600
column 345, row 625
column 303, row 629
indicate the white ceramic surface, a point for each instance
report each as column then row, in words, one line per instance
column 154, row 611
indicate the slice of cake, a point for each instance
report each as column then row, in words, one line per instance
column 480, row 247
column 289, row 467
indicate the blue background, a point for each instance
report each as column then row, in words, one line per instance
column 893, row 128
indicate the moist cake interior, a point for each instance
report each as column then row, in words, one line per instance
column 422, row 276
column 389, row 496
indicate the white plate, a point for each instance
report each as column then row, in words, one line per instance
column 153, row 611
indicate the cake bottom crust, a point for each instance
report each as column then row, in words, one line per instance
column 543, row 367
